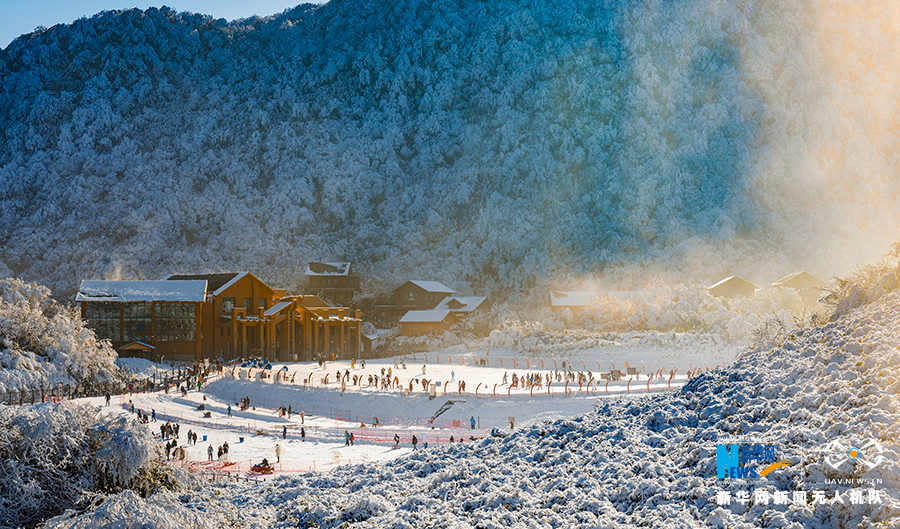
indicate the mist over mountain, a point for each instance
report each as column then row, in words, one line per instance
column 491, row 145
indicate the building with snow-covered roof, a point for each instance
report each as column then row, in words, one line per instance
column 572, row 299
column 463, row 305
column 420, row 295
column 235, row 314
column 809, row 286
column 732, row 286
column 422, row 322
column 146, row 318
column 334, row 281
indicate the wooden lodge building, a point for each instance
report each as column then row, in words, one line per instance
column 334, row 281
column 191, row 317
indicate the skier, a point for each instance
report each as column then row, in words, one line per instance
column 346, row 438
column 302, row 434
column 352, row 438
column 284, row 432
column 209, row 451
column 107, row 398
column 396, row 441
column 423, row 369
column 153, row 414
column 472, row 422
column 414, row 442
column 229, row 410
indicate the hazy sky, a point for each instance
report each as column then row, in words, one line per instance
column 22, row 16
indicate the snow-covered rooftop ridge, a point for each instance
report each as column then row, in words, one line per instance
column 732, row 279
column 571, row 298
column 432, row 286
column 132, row 291
column 799, row 280
column 425, row 316
column 328, row 269
column 461, row 303
column 276, row 308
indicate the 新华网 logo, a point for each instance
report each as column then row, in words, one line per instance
column 746, row 461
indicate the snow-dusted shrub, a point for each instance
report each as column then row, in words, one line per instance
column 865, row 284
column 43, row 341
column 128, row 509
column 53, row 457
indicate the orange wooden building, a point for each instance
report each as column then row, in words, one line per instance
column 234, row 315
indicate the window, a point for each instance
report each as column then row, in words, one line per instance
column 263, row 303
column 176, row 322
column 247, row 304
column 136, row 321
column 227, row 304
column 103, row 317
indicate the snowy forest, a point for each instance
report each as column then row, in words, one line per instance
column 495, row 146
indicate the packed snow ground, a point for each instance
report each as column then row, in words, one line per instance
column 646, row 460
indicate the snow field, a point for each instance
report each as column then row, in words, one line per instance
column 328, row 412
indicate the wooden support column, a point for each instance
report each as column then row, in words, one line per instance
column 358, row 331
column 244, row 350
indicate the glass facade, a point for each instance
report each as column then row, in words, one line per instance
column 176, row 322
column 103, row 317
column 137, row 322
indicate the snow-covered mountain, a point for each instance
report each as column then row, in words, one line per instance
column 488, row 144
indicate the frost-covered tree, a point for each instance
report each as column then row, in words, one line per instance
column 42, row 341
column 53, row 457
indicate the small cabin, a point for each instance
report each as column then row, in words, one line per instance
column 420, row 295
column 422, row 322
column 809, row 286
column 572, row 299
column 732, row 286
